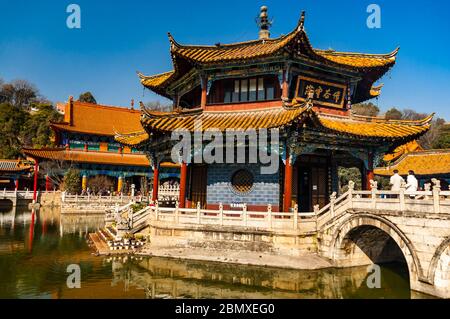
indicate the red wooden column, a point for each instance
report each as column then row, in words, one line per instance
column 284, row 86
column 36, row 173
column 287, row 184
column 369, row 172
column 204, row 92
column 16, row 183
column 183, row 180
column 155, row 182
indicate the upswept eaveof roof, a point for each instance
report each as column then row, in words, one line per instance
column 184, row 57
column 358, row 126
column 425, row 162
column 79, row 156
column 409, row 147
column 98, row 119
column 10, row 166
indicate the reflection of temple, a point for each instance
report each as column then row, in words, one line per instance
column 85, row 141
column 163, row 278
column 270, row 83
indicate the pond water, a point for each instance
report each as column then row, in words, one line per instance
column 36, row 249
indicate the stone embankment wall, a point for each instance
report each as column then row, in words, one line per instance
column 50, row 199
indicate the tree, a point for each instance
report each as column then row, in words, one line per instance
column 366, row 109
column 19, row 93
column 37, row 132
column 55, row 170
column 158, row 106
column 72, row 181
column 87, row 97
column 427, row 140
column 393, row 114
column 349, row 174
column 443, row 139
column 100, row 184
column 11, row 123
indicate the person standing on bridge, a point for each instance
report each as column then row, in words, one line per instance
column 396, row 181
column 412, row 184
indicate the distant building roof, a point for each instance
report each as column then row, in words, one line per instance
column 13, row 166
column 410, row 147
column 98, row 119
column 429, row 162
column 78, row 156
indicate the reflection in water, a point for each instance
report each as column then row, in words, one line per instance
column 36, row 248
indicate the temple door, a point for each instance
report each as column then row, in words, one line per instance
column 198, row 176
column 319, row 182
column 312, row 187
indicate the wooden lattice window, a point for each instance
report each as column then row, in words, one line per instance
column 242, row 181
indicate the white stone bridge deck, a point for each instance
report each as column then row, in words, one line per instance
column 98, row 204
column 15, row 195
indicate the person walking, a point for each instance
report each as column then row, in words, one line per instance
column 396, row 181
column 412, row 184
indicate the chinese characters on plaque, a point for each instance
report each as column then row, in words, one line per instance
column 325, row 93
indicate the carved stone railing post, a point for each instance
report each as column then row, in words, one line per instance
column 221, row 213
column 374, row 189
column 244, row 213
column 177, row 213
column 436, row 195
column 351, row 188
column 427, row 188
column 401, row 197
column 63, row 196
column 296, row 216
column 156, row 210
column 198, row 213
column 269, row 215
column 332, row 202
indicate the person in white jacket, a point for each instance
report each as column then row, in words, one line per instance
column 412, row 184
column 396, row 181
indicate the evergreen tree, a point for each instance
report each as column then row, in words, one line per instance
column 87, row 97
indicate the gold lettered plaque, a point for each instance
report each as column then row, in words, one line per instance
column 325, row 93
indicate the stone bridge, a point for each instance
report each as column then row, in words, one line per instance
column 378, row 227
column 15, row 196
column 358, row 228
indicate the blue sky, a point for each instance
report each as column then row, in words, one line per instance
column 117, row 38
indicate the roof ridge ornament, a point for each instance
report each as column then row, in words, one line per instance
column 301, row 22
column 264, row 24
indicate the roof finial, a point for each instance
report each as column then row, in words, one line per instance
column 263, row 23
column 301, row 22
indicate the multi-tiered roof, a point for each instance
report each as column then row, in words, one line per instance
column 294, row 45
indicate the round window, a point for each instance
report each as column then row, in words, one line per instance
column 242, row 181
